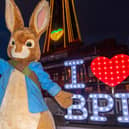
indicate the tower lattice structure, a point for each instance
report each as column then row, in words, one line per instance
column 63, row 30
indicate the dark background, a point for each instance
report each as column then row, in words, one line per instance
column 98, row 19
column 101, row 19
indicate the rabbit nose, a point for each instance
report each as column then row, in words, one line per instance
column 18, row 48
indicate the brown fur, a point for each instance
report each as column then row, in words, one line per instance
column 46, row 121
column 64, row 99
column 20, row 37
column 18, row 20
column 32, row 23
column 20, row 34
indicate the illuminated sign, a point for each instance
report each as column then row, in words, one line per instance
column 99, row 112
column 57, row 34
column 111, row 71
column 73, row 65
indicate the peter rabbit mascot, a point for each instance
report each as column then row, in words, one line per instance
column 21, row 103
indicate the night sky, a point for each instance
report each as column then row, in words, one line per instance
column 101, row 19
column 98, row 19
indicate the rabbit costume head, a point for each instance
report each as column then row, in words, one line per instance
column 24, row 42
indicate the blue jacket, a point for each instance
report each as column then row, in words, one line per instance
column 35, row 100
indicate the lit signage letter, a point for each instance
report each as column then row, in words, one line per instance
column 73, row 64
column 97, row 108
column 124, row 99
column 75, row 85
column 80, row 107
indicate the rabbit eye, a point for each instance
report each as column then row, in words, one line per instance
column 30, row 43
column 12, row 43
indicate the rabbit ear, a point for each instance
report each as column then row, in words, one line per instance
column 40, row 18
column 13, row 16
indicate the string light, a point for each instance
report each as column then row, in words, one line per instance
column 96, row 108
column 125, row 111
column 111, row 71
column 57, row 34
column 79, row 107
column 73, row 64
column 108, row 75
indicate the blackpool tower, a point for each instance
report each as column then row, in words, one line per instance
column 63, row 30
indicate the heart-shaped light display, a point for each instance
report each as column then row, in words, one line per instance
column 111, row 71
column 57, row 34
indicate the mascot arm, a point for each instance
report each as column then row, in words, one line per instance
column 46, row 83
column 63, row 98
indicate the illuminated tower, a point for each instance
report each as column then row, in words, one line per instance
column 63, row 30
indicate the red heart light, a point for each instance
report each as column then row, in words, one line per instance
column 111, row 71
